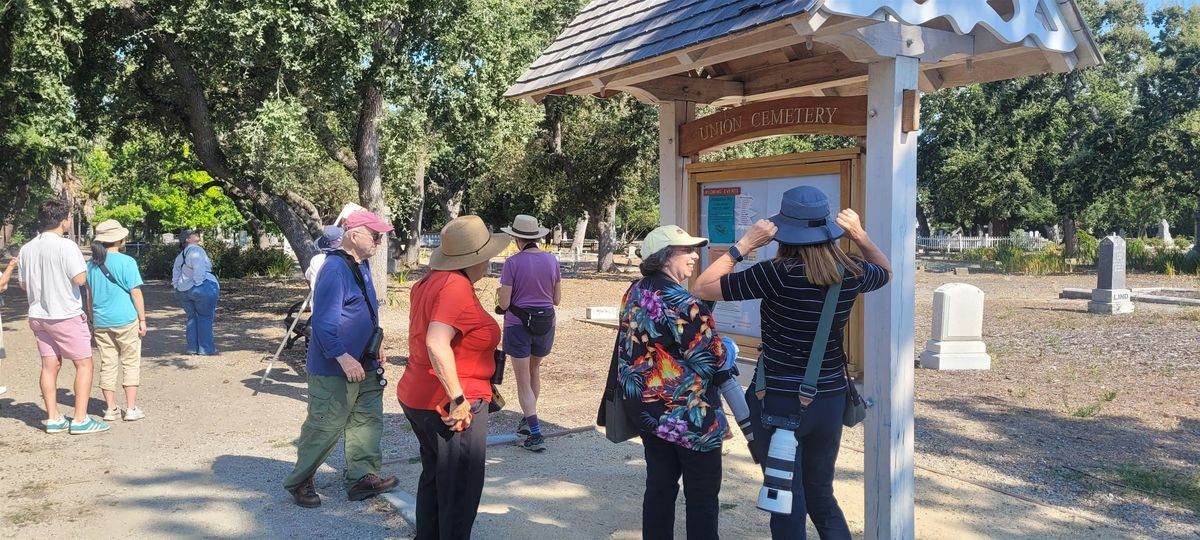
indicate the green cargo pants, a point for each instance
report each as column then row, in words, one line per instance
column 336, row 407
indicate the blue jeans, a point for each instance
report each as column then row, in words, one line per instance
column 200, row 305
column 819, row 438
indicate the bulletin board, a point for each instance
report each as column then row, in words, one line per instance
column 727, row 197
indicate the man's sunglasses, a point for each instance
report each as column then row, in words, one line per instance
column 375, row 236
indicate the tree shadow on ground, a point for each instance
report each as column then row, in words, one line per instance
column 245, row 493
column 1039, row 445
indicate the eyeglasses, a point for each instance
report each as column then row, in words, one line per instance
column 376, row 237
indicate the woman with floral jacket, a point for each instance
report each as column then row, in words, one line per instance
column 668, row 352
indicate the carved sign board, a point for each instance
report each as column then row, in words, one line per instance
column 827, row 115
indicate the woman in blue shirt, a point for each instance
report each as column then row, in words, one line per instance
column 118, row 313
column 197, row 290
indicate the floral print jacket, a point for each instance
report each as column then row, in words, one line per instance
column 668, row 352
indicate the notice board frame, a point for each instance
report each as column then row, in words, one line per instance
column 846, row 162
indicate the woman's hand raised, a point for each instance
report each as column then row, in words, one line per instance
column 849, row 221
column 758, row 236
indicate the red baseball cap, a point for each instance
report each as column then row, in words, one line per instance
column 363, row 218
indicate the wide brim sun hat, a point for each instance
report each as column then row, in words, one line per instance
column 109, row 231
column 526, row 227
column 466, row 242
column 805, row 218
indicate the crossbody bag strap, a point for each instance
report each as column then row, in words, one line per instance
column 816, row 356
column 111, row 277
column 362, row 283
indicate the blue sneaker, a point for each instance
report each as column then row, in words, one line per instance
column 57, row 426
column 90, row 425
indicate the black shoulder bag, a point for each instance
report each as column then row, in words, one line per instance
column 112, row 278
column 371, row 350
column 539, row 321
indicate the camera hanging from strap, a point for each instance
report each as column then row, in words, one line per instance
column 816, row 356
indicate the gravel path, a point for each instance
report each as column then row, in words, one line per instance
column 208, row 459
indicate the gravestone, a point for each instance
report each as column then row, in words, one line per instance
column 1196, row 237
column 957, row 332
column 1164, row 234
column 602, row 313
column 556, row 235
column 1111, row 296
column 168, row 238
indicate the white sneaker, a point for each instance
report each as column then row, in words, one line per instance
column 134, row 414
column 112, row 414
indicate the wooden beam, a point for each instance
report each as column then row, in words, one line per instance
column 911, row 111
column 827, row 68
column 830, row 115
column 672, row 168
column 891, row 202
column 677, row 88
column 930, row 80
column 891, row 39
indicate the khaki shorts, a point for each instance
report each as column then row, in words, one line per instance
column 120, row 346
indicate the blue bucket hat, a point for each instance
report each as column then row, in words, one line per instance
column 331, row 237
column 804, row 218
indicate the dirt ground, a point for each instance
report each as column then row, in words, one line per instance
column 1075, row 408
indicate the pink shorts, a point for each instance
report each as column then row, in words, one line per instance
column 68, row 338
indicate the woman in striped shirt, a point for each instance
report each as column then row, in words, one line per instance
column 792, row 287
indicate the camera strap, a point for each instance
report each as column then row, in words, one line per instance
column 816, row 355
column 362, row 283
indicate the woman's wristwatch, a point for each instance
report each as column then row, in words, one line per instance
column 735, row 254
column 459, row 400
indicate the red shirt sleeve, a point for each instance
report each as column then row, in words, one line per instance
column 450, row 304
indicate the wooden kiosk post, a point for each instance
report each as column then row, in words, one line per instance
column 742, row 57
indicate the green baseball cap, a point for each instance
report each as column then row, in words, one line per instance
column 668, row 235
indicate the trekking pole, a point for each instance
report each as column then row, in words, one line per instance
column 279, row 349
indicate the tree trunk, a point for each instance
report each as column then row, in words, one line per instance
column 10, row 219
column 452, row 199
column 922, row 221
column 412, row 244
column 580, row 233
column 607, row 236
column 370, row 178
column 1070, row 238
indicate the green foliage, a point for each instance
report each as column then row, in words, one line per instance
column 157, row 261
column 1089, row 247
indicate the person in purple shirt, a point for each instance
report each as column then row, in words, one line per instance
column 530, row 287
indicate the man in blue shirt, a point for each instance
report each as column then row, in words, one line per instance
column 341, row 398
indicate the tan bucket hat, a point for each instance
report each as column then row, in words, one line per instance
column 526, row 227
column 466, row 242
column 110, row 231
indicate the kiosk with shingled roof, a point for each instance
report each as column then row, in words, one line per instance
column 848, row 67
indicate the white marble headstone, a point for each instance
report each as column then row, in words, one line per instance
column 956, row 341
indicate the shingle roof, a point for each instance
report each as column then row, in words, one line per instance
column 609, row 34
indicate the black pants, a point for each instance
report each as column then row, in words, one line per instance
column 701, row 472
column 451, row 481
column 819, row 437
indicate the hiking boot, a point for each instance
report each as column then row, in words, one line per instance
column 305, row 494
column 370, row 486
column 535, row 443
column 523, row 427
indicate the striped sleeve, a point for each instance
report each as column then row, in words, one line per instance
column 874, row 277
column 753, row 283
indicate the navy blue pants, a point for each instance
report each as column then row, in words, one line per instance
column 819, row 437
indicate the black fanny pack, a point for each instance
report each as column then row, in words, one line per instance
column 539, row 321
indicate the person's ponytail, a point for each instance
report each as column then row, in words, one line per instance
column 99, row 252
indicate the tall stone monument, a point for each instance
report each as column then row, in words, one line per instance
column 1164, row 234
column 957, row 332
column 1110, row 295
column 1196, row 238
column 556, row 236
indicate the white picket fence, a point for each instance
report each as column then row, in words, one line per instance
column 956, row 243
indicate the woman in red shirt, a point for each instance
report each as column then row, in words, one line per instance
column 447, row 385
